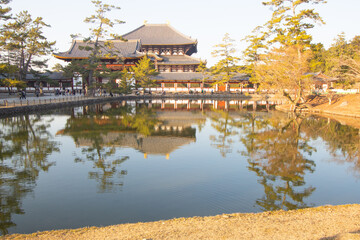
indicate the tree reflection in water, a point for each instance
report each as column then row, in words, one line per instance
column 25, row 145
column 277, row 148
column 276, row 154
column 343, row 141
column 225, row 125
column 91, row 130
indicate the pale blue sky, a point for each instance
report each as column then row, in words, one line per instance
column 205, row 20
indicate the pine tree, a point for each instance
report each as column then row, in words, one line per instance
column 4, row 11
column 225, row 69
column 291, row 21
column 286, row 31
column 24, row 45
column 204, row 72
column 143, row 72
column 102, row 25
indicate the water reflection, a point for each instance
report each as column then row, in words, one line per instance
column 25, row 146
column 226, row 127
column 277, row 145
column 276, row 152
column 277, row 149
column 343, row 141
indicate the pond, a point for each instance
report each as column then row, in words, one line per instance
column 126, row 162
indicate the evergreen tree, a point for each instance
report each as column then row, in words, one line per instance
column 285, row 32
column 225, row 69
column 127, row 82
column 204, row 72
column 4, row 11
column 24, row 44
column 343, row 61
column 102, row 25
column 291, row 21
column 143, row 72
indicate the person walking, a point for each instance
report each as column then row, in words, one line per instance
column 23, row 94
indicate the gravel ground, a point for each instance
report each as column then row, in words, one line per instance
column 327, row 222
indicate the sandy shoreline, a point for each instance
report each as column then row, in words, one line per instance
column 326, row 222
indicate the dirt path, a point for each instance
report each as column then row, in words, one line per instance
column 328, row 222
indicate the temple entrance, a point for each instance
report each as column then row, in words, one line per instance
column 222, row 88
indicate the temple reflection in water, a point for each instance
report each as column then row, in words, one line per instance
column 166, row 125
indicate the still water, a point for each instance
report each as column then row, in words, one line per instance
column 139, row 161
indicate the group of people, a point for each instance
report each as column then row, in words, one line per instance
column 59, row 92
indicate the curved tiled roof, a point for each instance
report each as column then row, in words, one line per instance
column 128, row 49
column 159, row 34
column 48, row 75
column 178, row 59
column 157, row 145
column 185, row 76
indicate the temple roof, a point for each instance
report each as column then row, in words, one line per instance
column 48, row 75
column 187, row 76
column 157, row 145
column 178, row 60
column 178, row 76
column 129, row 49
column 159, row 34
column 320, row 77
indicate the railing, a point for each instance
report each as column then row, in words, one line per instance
column 41, row 100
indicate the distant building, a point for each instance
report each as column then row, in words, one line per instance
column 169, row 49
column 48, row 79
column 323, row 82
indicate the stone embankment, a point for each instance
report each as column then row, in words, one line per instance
column 15, row 106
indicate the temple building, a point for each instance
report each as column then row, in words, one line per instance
column 173, row 48
column 169, row 49
column 116, row 56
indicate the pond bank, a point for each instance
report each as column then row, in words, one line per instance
column 15, row 106
column 344, row 109
column 326, row 222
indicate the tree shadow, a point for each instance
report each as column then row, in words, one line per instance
column 344, row 236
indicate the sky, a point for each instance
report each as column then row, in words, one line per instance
column 204, row 20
